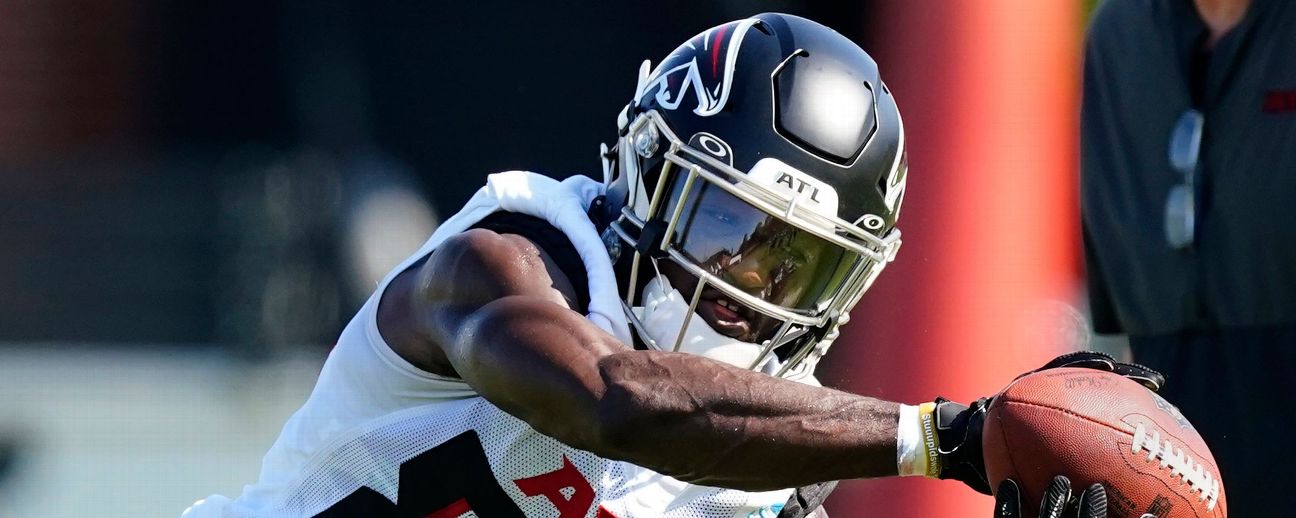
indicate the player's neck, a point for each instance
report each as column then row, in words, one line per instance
column 1221, row 16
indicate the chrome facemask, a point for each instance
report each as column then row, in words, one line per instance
column 656, row 219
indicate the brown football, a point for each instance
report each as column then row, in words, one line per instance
column 1095, row 426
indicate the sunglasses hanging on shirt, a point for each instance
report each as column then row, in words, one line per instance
column 1181, row 202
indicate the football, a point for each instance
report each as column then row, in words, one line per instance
column 1095, row 426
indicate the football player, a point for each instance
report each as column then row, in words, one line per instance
column 643, row 346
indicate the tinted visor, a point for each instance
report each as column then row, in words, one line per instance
column 755, row 251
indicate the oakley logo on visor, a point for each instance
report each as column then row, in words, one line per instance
column 807, row 191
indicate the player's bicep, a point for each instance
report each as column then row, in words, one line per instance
column 499, row 310
column 422, row 309
column 479, row 266
column 467, row 272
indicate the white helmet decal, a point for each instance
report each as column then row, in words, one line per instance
column 710, row 80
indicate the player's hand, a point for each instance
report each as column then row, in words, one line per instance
column 958, row 426
column 1057, row 501
column 1149, row 378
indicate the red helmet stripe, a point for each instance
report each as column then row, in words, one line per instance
column 715, row 48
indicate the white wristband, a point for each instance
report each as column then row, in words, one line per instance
column 917, row 448
column 910, row 455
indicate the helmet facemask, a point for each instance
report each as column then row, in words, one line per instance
column 763, row 257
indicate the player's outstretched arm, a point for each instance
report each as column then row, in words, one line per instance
column 493, row 310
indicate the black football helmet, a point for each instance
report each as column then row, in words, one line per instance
column 765, row 159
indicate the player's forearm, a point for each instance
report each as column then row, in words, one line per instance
column 679, row 414
column 713, row 424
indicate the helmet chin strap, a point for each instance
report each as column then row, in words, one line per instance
column 666, row 319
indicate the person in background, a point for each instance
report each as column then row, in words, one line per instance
column 1188, row 178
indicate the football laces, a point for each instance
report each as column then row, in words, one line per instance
column 1180, row 464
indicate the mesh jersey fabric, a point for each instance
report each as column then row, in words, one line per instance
column 375, row 455
column 374, row 420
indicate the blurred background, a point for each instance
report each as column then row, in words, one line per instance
column 195, row 196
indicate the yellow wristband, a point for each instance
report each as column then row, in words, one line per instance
column 930, row 444
column 917, row 446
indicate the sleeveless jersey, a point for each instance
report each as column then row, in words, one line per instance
column 379, row 437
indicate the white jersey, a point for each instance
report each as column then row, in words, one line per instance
column 380, row 437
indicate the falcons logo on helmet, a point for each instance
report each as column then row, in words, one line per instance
column 703, row 67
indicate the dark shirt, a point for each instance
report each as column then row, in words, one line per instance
column 1141, row 59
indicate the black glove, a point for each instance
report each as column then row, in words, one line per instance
column 1147, row 377
column 1057, row 501
column 958, row 427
